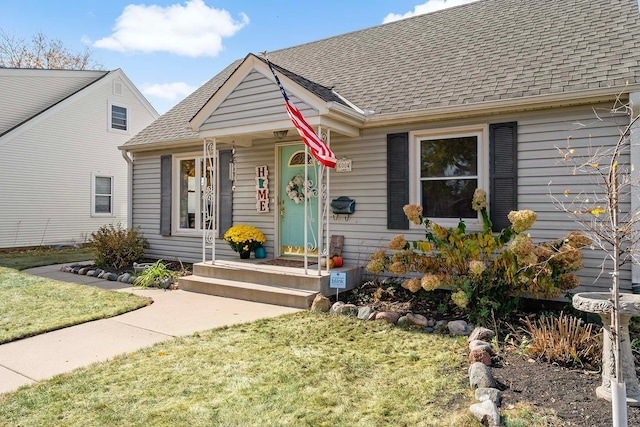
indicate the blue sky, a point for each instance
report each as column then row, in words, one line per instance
column 169, row 48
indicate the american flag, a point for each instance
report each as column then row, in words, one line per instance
column 318, row 148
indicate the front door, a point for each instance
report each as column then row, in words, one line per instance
column 292, row 195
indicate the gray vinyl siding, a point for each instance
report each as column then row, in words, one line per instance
column 255, row 100
column 540, row 134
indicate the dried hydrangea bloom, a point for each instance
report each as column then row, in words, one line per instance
column 413, row 213
column 567, row 258
column 524, row 249
column 568, row 281
column 577, row 240
column 398, row 268
column 522, row 220
column 397, row 243
column 460, row 298
column 479, row 201
column 375, row 266
column 412, row 285
column 476, row 268
column 430, row 282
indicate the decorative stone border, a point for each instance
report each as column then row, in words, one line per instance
column 480, row 351
column 92, row 270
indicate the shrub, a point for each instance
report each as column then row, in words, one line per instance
column 562, row 339
column 115, row 246
column 486, row 273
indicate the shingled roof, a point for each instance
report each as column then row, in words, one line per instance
column 486, row 51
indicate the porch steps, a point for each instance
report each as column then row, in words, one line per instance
column 267, row 294
column 252, row 281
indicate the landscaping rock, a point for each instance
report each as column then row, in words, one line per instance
column 165, row 282
column 486, row 412
column 83, row 270
column 90, row 272
column 480, row 376
column 458, row 327
column 428, row 330
column 132, row 280
column 492, row 394
column 417, row 320
column 441, row 327
column 112, row 277
column 321, row 303
column 402, row 321
column 124, row 278
column 373, row 315
column 481, row 333
column 364, row 312
column 480, row 356
column 98, row 272
column 336, row 308
column 389, row 316
column 480, row 345
column 350, row 310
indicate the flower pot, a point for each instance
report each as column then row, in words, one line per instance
column 261, row 252
column 245, row 254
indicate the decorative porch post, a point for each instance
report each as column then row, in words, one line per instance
column 209, row 208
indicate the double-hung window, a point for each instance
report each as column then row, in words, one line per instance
column 102, row 195
column 118, row 118
column 447, row 169
column 192, row 179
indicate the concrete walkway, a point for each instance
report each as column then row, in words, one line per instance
column 172, row 314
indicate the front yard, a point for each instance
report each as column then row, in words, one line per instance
column 304, row 369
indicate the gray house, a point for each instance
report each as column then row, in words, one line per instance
column 501, row 84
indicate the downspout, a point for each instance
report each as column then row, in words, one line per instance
column 634, row 148
column 129, row 161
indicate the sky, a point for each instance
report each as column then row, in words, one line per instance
column 170, row 48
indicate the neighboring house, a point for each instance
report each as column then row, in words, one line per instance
column 61, row 174
column 498, row 84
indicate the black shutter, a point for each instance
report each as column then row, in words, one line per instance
column 503, row 172
column 397, row 180
column 165, row 195
column 225, row 210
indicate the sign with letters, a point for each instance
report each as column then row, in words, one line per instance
column 262, row 189
column 338, row 280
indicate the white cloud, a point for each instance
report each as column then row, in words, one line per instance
column 171, row 91
column 192, row 29
column 427, row 7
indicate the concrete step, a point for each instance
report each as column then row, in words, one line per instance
column 268, row 294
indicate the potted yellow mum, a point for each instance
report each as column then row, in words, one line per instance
column 244, row 239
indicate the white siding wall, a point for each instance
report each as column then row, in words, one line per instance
column 539, row 134
column 46, row 171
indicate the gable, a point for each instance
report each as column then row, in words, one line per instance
column 254, row 100
column 28, row 92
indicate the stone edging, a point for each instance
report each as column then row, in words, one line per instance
column 92, row 270
column 488, row 397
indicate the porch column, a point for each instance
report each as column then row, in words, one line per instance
column 634, row 146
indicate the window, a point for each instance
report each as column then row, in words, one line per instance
column 447, row 169
column 191, row 180
column 102, row 199
column 118, row 118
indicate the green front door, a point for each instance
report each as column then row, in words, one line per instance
column 292, row 191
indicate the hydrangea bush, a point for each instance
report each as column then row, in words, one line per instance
column 486, row 272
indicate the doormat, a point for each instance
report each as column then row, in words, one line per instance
column 286, row 262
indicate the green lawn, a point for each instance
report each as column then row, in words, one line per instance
column 31, row 305
column 306, row 369
column 24, row 259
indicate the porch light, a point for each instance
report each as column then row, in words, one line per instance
column 280, row 134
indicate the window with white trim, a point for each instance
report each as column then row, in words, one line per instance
column 190, row 181
column 118, row 118
column 447, row 169
column 102, row 195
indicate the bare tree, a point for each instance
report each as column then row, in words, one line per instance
column 613, row 230
column 43, row 52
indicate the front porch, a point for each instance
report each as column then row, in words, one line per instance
column 252, row 280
